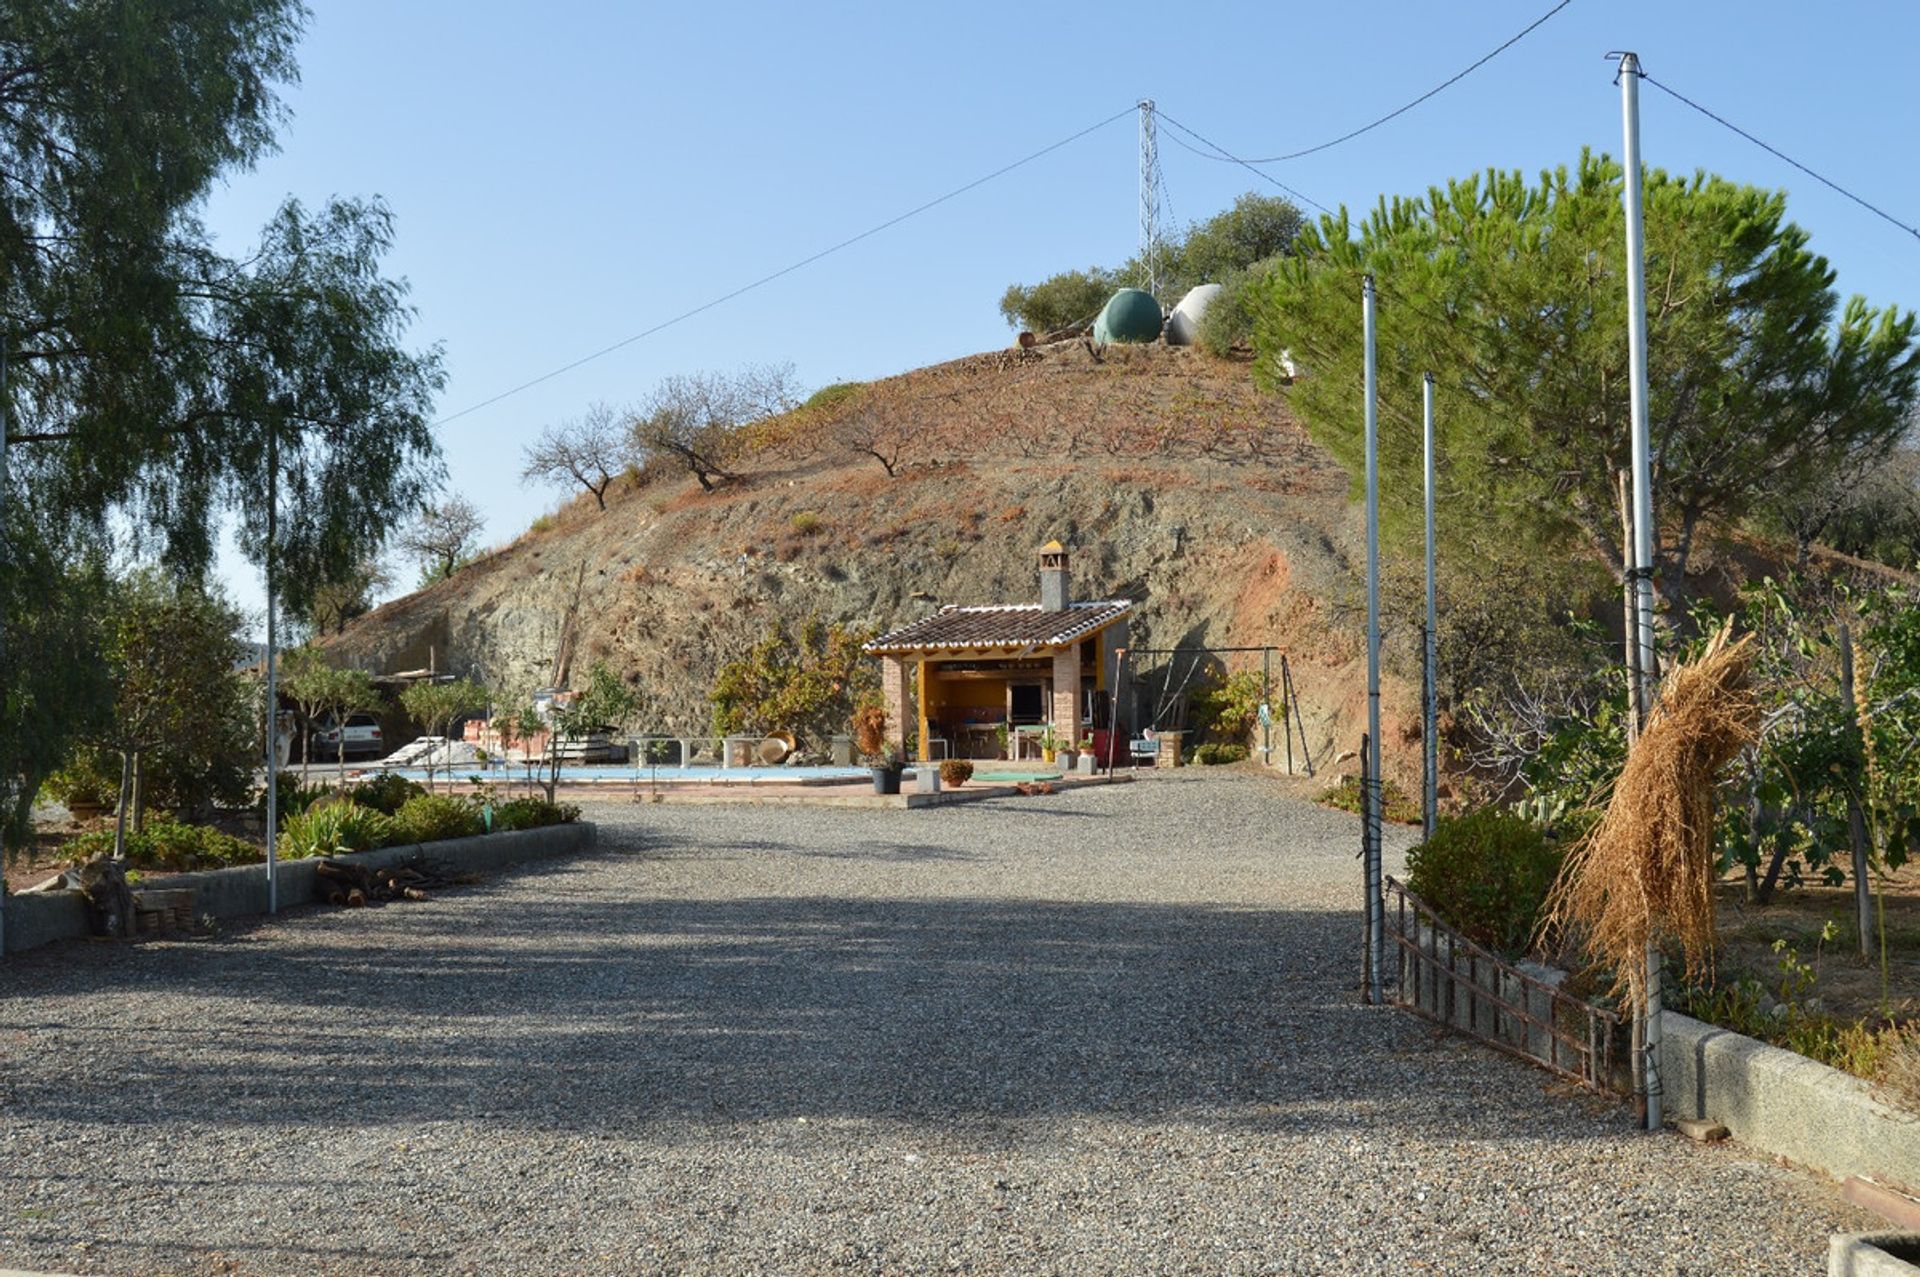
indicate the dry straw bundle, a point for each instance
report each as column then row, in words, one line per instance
column 1645, row 873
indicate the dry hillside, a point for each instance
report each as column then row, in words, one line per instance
column 1174, row 480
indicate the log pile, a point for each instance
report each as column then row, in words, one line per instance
column 353, row 886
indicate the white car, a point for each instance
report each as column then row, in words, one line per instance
column 363, row 739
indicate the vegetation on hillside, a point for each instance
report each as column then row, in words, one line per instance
column 1221, row 250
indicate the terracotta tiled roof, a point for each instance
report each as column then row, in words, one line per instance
column 1012, row 625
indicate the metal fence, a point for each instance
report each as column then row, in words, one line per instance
column 1443, row 976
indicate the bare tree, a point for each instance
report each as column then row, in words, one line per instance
column 699, row 418
column 883, row 430
column 442, row 537
column 334, row 603
column 589, row 450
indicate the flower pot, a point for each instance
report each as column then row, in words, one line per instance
column 886, row 780
column 1046, row 755
column 84, row 809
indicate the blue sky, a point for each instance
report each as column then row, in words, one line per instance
column 566, row 175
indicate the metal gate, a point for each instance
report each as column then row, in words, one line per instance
column 1452, row 981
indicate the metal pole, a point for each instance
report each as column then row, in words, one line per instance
column 1376, row 923
column 273, row 687
column 1856, row 816
column 6, row 565
column 1266, row 705
column 1430, row 654
column 1642, row 502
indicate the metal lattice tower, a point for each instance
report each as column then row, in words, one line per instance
column 1150, row 183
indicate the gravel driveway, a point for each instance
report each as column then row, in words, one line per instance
column 1112, row 1031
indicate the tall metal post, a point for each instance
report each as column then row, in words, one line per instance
column 1646, row 674
column 1376, row 922
column 273, row 688
column 1149, row 196
column 1430, row 655
column 6, row 561
column 1266, row 707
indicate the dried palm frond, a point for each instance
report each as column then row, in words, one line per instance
column 1645, row 872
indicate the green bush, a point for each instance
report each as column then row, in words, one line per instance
column 168, row 845
column 291, row 797
column 386, row 792
column 1395, row 805
column 91, row 776
column 431, row 817
column 334, row 828
column 532, row 813
column 1215, row 752
column 1487, row 873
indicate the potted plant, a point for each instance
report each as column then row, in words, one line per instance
column 83, row 787
column 882, row 755
column 1049, row 743
column 955, row 772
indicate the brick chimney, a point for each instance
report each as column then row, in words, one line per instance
column 1056, row 589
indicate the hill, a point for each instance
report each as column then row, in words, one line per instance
column 1174, row 480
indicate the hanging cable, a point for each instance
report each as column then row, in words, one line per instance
column 1221, row 153
column 764, row 280
column 1397, row 112
column 1778, row 154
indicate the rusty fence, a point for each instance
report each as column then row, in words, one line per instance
column 1452, row 981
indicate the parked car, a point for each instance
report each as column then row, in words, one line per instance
column 363, row 739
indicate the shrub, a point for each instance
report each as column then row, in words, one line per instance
column 956, row 772
column 1215, row 752
column 168, row 845
column 1488, row 873
column 1395, row 805
column 807, row 523
column 532, row 813
column 870, row 731
column 431, row 817
column 291, row 797
column 386, row 792
column 334, row 828
column 85, row 780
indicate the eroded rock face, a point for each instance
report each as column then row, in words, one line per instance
column 669, row 581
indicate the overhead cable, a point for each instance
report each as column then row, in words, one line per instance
column 1397, row 112
column 1778, row 154
column 849, row 242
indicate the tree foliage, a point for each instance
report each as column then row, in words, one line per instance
column 331, row 605
column 183, row 719
column 1255, row 229
column 806, row 682
column 327, row 693
column 153, row 382
column 1513, row 294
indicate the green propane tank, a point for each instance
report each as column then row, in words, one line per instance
column 1129, row 315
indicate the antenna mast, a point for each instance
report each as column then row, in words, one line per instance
column 1149, row 197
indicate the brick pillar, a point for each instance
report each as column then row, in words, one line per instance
column 893, row 686
column 1066, row 697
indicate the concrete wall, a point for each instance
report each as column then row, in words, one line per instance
column 43, row 917
column 1786, row 1104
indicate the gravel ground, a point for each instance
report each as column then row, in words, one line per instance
column 1108, row 1031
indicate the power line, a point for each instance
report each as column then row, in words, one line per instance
column 1439, row 88
column 849, row 242
column 1725, row 123
column 1222, row 153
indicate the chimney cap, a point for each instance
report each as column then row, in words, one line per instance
column 1053, row 547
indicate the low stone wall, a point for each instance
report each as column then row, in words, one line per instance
column 42, row 917
column 1786, row 1104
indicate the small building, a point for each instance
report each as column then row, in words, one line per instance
column 987, row 673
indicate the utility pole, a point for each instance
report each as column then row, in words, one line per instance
column 1430, row 653
column 6, row 566
column 1370, row 799
column 273, row 689
column 1150, row 196
column 1645, row 672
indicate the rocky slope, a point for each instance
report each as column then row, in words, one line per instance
column 1175, row 482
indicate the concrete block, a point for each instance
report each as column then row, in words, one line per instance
column 1785, row 1104
column 1700, row 1130
column 1873, row 1255
column 926, row 779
